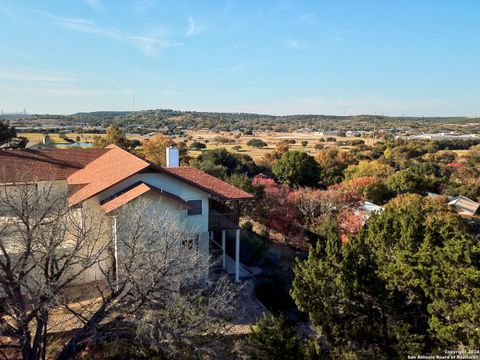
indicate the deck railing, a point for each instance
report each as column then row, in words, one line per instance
column 222, row 221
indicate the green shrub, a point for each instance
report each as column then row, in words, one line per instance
column 197, row 145
column 258, row 143
column 273, row 338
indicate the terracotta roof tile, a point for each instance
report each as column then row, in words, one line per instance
column 208, row 183
column 125, row 197
column 90, row 171
column 102, row 173
column 135, row 191
column 44, row 165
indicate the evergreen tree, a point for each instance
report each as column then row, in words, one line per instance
column 296, row 169
column 258, row 143
column 408, row 283
column 426, row 252
column 347, row 303
column 7, row 132
column 404, row 181
column 273, row 338
column 114, row 136
column 222, row 163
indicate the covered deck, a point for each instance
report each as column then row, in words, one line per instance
column 223, row 222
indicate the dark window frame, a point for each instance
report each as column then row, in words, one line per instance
column 196, row 210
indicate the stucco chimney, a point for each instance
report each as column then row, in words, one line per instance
column 173, row 158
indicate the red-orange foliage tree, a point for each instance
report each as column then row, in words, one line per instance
column 368, row 188
column 277, row 208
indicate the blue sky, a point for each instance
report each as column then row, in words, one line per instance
column 277, row 57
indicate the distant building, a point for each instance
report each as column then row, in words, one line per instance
column 354, row 219
column 439, row 136
column 370, row 208
column 327, row 133
column 351, row 133
column 463, row 205
column 40, row 146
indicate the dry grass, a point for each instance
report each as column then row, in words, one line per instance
column 272, row 139
column 56, row 139
column 37, row 137
column 461, row 152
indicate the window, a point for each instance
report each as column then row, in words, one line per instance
column 196, row 207
column 192, row 242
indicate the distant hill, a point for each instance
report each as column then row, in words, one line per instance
column 175, row 120
column 161, row 118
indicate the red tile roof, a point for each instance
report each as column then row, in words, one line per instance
column 109, row 169
column 125, row 197
column 44, row 165
column 90, row 171
column 208, row 183
column 135, row 191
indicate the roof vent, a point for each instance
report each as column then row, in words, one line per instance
column 173, row 159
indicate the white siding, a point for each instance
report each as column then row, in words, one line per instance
column 195, row 223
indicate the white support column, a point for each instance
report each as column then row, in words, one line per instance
column 224, row 235
column 237, row 255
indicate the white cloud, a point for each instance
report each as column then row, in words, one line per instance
column 150, row 45
column 147, row 44
column 292, row 43
column 194, row 28
column 191, row 26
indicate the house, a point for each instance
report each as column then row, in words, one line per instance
column 463, row 205
column 353, row 133
column 40, row 146
column 352, row 220
column 45, row 144
column 107, row 179
column 368, row 208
